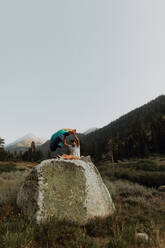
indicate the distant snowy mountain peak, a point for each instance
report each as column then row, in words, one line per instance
column 24, row 142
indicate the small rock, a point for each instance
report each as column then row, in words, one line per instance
column 161, row 188
column 142, row 237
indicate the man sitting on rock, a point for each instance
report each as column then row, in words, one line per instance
column 74, row 148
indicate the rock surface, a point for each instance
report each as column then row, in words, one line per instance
column 143, row 237
column 66, row 189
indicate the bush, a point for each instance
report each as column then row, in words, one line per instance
column 147, row 165
column 100, row 227
column 126, row 188
column 143, row 172
column 149, row 179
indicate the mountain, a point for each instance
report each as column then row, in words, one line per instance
column 90, row 130
column 22, row 144
column 139, row 133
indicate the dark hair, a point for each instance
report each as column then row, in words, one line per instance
column 72, row 140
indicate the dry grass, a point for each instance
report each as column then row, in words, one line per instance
column 12, row 174
column 9, row 185
column 126, row 188
column 26, row 164
column 11, row 177
column 138, row 209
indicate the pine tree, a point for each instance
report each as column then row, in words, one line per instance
column 110, row 148
column 33, row 146
column 2, row 142
column 3, row 153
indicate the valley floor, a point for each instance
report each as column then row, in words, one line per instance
column 133, row 185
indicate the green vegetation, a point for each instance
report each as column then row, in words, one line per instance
column 31, row 155
column 134, row 135
column 3, row 153
column 1, row 142
column 138, row 209
column 144, row 172
column 116, row 231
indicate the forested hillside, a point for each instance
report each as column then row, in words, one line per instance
column 137, row 134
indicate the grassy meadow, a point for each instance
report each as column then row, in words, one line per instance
column 140, row 208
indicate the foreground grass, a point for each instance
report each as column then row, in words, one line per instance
column 138, row 209
column 115, row 231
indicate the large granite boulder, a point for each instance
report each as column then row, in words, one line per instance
column 65, row 189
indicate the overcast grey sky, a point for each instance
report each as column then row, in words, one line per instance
column 77, row 63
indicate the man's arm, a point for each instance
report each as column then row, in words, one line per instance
column 76, row 139
column 65, row 144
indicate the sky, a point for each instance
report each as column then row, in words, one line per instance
column 77, row 64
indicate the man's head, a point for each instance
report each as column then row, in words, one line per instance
column 73, row 142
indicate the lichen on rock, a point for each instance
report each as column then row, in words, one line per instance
column 65, row 189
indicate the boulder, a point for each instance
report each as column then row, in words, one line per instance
column 65, row 189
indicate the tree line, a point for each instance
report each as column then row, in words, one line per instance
column 31, row 155
column 136, row 134
column 139, row 133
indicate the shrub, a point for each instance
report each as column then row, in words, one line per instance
column 147, row 178
column 126, row 188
